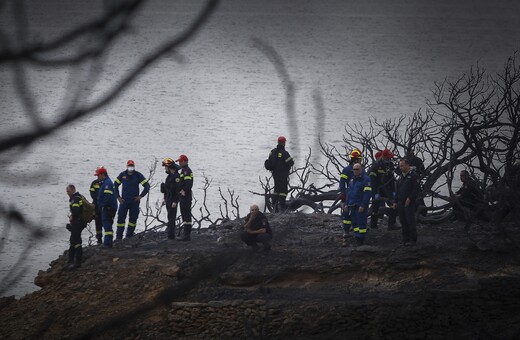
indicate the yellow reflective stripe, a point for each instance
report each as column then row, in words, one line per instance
column 117, row 181
column 282, row 194
column 119, row 225
column 381, row 171
column 372, row 174
column 76, row 205
column 92, row 189
column 77, row 245
column 144, row 181
column 288, row 159
column 356, row 229
column 188, row 177
column 108, row 192
column 367, row 189
column 279, row 155
column 344, row 176
column 347, row 222
column 362, row 231
column 130, row 224
column 109, row 233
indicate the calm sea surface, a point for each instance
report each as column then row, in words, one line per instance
column 219, row 99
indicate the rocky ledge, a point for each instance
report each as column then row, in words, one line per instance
column 452, row 284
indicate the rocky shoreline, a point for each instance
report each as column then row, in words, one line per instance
column 453, row 284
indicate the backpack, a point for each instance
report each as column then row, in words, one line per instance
column 89, row 210
column 268, row 164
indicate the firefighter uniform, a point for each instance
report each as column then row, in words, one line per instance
column 185, row 198
column 170, row 189
column 346, row 175
column 77, row 224
column 108, row 204
column 358, row 195
column 94, row 190
column 282, row 163
column 130, row 182
column 381, row 174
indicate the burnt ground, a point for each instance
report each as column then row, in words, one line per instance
column 457, row 272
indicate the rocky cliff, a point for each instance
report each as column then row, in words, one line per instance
column 452, row 284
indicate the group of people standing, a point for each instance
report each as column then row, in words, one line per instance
column 378, row 185
column 106, row 198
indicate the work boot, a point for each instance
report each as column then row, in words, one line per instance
column 186, row 234
column 99, row 239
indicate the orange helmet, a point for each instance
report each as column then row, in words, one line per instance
column 168, row 162
column 355, row 154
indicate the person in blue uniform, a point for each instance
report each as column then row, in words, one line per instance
column 107, row 201
column 94, row 190
column 358, row 198
column 346, row 175
column 129, row 199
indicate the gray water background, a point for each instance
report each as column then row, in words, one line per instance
column 224, row 105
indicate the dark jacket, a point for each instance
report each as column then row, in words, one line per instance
column 281, row 160
column 106, row 195
column 260, row 222
column 470, row 194
column 381, row 175
column 130, row 184
column 186, row 182
column 171, row 188
column 76, row 208
column 407, row 187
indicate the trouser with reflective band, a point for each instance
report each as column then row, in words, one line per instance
column 359, row 221
column 107, row 218
column 346, row 223
column 75, row 250
column 132, row 208
column 280, row 193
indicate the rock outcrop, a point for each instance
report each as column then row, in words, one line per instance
column 308, row 286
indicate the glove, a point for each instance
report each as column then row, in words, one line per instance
column 68, row 227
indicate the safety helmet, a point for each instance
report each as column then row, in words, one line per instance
column 281, row 140
column 168, row 162
column 182, row 158
column 100, row 170
column 378, row 155
column 387, row 154
column 130, row 163
column 355, row 154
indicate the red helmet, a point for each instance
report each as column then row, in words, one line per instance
column 130, row 162
column 378, row 155
column 281, row 140
column 387, row 154
column 167, row 162
column 182, row 158
column 100, row 170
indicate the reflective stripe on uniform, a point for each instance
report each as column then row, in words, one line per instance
column 367, row 189
column 108, row 192
column 130, row 224
column 143, row 182
column 362, row 231
column 356, row 229
column 288, row 159
column 120, row 225
column 77, row 245
column 117, row 181
column 109, row 233
column 347, row 222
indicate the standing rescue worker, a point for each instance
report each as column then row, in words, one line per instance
column 129, row 199
column 346, row 175
column 170, row 189
column 76, row 225
column 280, row 165
column 358, row 198
column 407, row 190
column 381, row 175
column 107, row 201
column 185, row 196
column 94, row 190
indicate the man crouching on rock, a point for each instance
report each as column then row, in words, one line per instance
column 256, row 230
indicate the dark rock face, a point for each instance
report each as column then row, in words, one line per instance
column 308, row 286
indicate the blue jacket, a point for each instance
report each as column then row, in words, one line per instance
column 106, row 196
column 359, row 191
column 346, row 175
column 131, row 185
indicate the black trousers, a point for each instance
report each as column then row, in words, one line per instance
column 185, row 210
column 172, row 216
column 251, row 239
column 281, row 190
column 408, row 223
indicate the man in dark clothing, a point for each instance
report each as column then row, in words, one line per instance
column 76, row 225
column 281, row 163
column 107, row 202
column 381, row 175
column 417, row 165
column 346, row 176
column 130, row 198
column 94, row 190
column 185, row 196
column 256, row 230
column 407, row 190
column 170, row 189
column 468, row 196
